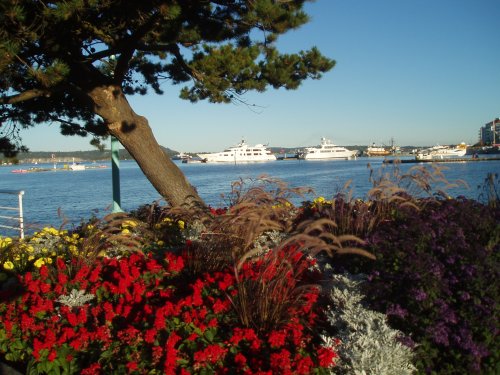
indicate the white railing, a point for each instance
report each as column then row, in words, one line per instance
column 19, row 217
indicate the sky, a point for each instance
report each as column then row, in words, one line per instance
column 418, row 72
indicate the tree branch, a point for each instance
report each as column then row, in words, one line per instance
column 24, row 96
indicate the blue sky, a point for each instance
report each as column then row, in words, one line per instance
column 423, row 72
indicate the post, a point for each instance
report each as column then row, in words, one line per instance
column 115, row 171
column 21, row 216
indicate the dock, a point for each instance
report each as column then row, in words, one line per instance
column 444, row 160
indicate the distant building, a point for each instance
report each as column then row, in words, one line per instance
column 489, row 134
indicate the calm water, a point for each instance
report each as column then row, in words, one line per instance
column 80, row 194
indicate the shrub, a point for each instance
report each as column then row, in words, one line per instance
column 367, row 344
column 436, row 277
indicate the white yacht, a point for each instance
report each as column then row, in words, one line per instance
column 241, row 153
column 442, row 152
column 327, row 150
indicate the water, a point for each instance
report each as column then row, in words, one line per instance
column 52, row 197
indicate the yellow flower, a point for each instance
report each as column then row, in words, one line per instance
column 157, row 226
column 39, row 262
column 129, row 224
column 5, row 242
column 31, row 257
column 319, row 200
column 180, row 223
column 160, row 243
column 167, row 220
column 8, row 265
column 125, row 231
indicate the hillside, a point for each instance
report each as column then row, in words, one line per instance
column 66, row 156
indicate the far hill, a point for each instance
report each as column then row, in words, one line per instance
column 90, row 155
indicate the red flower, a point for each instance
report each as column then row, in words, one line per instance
column 303, row 365
column 52, row 355
column 132, row 366
column 226, row 282
column 280, row 362
column 171, row 355
column 72, row 319
column 211, row 354
column 150, row 336
column 240, row 360
column 93, row 369
column 326, row 357
column 277, row 339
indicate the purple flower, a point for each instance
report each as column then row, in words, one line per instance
column 464, row 296
column 397, row 310
column 439, row 333
column 419, row 295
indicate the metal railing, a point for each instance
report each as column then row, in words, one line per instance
column 19, row 217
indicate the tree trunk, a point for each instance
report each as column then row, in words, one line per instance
column 134, row 133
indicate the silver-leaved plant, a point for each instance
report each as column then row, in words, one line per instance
column 75, row 298
column 368, row 346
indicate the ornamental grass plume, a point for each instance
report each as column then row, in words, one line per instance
column 392, row 191
column 490, row 190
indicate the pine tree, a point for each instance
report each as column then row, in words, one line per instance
column 74, row 62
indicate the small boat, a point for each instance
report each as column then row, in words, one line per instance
column 76, row 166
column 375, row 150
column 241, row 153
column 442, row 152
column 188, row 159
column 327, row 150
column 19, row 171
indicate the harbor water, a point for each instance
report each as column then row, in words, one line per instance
column 64, row 197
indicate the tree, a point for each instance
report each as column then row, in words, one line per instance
column 74, row 62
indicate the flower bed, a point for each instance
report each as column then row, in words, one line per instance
column 237, row 291
column 144, row 314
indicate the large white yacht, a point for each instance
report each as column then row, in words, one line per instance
column 327, row 150
column 240, row 153
column 442, row 152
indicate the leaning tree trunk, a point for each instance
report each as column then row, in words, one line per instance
column 134, row 133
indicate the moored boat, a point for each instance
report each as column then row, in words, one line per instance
column 375, row 150
column 76, row 166
column 241, row 153
column 442, row 152
column 327, row 150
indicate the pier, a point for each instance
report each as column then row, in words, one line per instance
column 444, row 160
